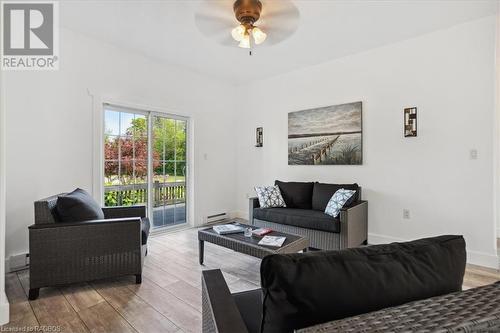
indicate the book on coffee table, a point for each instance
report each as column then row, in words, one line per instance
column 262, row 231
column 272, row 241
column 226, row 229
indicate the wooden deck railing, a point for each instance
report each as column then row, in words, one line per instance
column 163, row 194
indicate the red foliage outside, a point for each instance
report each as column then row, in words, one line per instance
column 128, row 157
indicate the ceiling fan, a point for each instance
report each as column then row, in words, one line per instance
column 247, row 22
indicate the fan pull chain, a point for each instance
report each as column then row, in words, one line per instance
column 250, row 51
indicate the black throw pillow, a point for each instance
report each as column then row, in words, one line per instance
column 78, row 206
column 322, row 193
column 301, row 290
column 296, row 194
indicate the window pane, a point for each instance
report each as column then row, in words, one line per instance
column 180, row 137
column 169, row 139
column 180, row 172
column 126, row 172
column 111, row 122
column 126, row 147
column 157, row 139
column 140, row 126
column 111, row 176
column 140, row 145
column 126, row 123
column 111, row 182
column 111, row 147
column 170, row 171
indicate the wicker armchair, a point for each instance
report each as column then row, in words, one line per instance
column 70, row 252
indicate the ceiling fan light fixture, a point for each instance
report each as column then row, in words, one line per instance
column 238, row 33
column 258, row 35
column 245, row 41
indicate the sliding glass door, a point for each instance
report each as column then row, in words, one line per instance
column 145, row 163
column 169, row 165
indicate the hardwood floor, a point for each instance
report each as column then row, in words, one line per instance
column 168, row 300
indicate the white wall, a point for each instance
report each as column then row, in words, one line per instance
column 4, row 305
column 450, row 76
column 497, row 129
column 50, row 126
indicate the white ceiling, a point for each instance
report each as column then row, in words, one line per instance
column 327, row 29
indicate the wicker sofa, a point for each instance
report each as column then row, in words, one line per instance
column 400, row 287
column 304, row 215
column 69, row 252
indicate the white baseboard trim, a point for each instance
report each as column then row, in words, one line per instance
column 473, row 257
column 239, row 214
column 374, row 239
column 483, row 259
column 4, row 310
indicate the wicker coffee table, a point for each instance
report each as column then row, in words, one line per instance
column 248, row 245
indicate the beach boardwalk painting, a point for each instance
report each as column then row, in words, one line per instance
column 331, row 135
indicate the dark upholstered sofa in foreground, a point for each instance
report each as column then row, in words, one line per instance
column 304, row 215
column 399, row 287
column 78, row 251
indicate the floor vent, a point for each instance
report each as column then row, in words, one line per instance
column 215, row 218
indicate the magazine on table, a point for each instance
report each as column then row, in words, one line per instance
column 225, row 229
column 262, row 231
column 274, row 241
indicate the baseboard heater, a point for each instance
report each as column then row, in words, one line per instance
column 211, row 219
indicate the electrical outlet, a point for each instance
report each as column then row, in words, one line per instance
column 406, row 213
column 473, row 154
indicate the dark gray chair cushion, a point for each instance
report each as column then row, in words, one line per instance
column 145, row 226
column 296, row 194
column 249, row 304
column 322, row 193
column 302, row 290
column 78, row 206
column 304, row 218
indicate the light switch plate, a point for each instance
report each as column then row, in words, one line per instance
column 473, row 154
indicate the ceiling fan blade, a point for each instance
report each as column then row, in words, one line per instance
column 279, row 20
column 228, row 41
column 279, row 8
column 215, row 19
column 213, row 27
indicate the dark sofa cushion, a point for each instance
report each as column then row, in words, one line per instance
column 304, row 218
column 78, row 206
column 322, row 193
column 301, row 290
column 249, row 304
column 145, row 226
column 296, row 194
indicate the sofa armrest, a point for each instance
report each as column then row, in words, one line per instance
column 220, row 313
column 124, row 211
column 85, row 223
column 354, row 225
column 253, row 203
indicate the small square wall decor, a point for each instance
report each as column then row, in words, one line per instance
column 259, row 137
column 410, row 122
